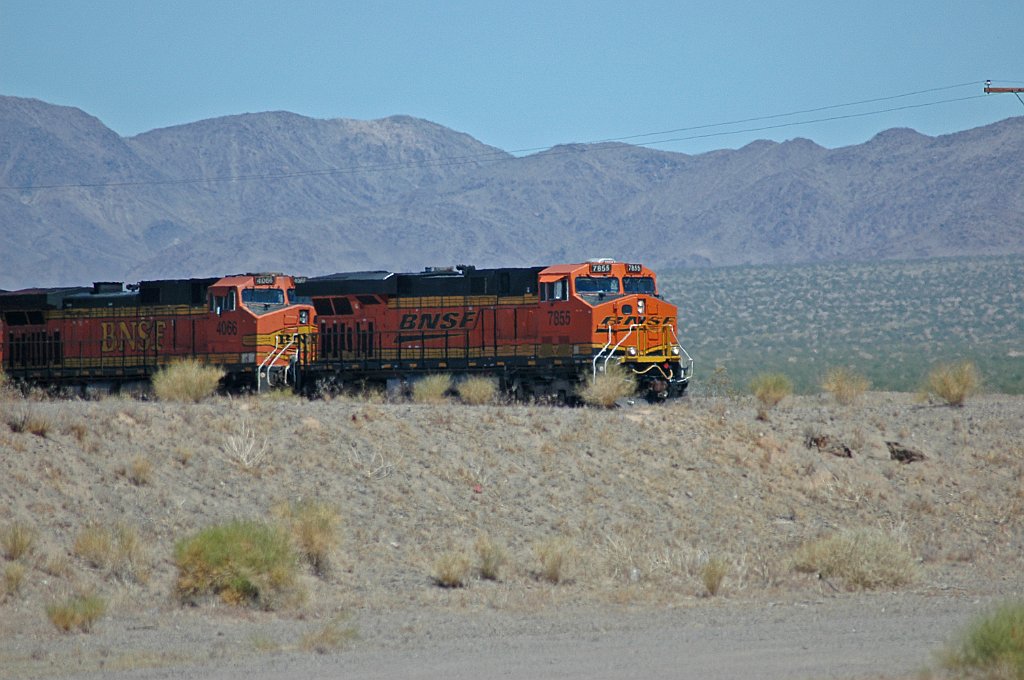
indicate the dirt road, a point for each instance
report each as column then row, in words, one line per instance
column 846, row 637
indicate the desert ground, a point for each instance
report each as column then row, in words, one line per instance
column 685, row 534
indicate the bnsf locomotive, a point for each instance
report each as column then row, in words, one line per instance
column 539, row 330
column 251, row 325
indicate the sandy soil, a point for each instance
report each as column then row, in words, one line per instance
column 641, row 498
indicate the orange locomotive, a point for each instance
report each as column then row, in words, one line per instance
column 251, row 325
column 540, row 330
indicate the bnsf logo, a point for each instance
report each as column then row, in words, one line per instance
column 442, row 321
column 636, row 321
column 134, row 335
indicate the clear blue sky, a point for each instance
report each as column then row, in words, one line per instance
column 523, row 74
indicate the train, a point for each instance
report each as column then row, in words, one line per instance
column 540, row 331
column 251, row 325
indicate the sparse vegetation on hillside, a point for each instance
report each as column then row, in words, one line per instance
column 80, row 611
column 860, row 558
column 845, row 385
column 953, row 383
column 769, row 389
column 313, row 526
column 802, row 319
column 186, row 380
column 17, row 540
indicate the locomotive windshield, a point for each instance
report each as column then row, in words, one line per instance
column 638, row 284
column 597, row 284
column 262, row 296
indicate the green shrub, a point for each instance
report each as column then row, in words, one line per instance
column 992, row 646
column 80, row 611
column 608, row 386
column 431, row 389
column 187, row 380
column 862, row 558
column 242, row 562
column 770, row 389
column 954, row 383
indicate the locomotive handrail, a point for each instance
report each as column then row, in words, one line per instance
column 598, row 355
column 272, row 358
column 612, row 351
column 681, row 348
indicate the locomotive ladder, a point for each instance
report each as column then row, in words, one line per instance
column 611, row 352
column 272, row 358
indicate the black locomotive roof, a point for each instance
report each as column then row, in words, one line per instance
column 461, row 281
column 109, row 294
column 36, row 298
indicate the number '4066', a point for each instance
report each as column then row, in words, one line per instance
column 227, row 328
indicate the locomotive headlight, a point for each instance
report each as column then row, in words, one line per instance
column 304, row 316
column 631, row 351
column 676, row 351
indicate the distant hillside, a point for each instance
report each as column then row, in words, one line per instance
column 284, row 192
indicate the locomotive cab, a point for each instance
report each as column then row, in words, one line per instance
column 622, row 319
column 258, row 318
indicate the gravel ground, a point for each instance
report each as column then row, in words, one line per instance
column 642, row 499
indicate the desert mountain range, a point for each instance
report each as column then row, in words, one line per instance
column 279, row 191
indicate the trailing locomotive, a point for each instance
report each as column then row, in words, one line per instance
column 539, row 330
column 251, row 325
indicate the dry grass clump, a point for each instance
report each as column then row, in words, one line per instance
column 187, row 380
column 26, row 417
column 555, row 555
column 492, row 556
column 14, row 577
column 335, row 635
column 118, row 551
column 431, row 389
column 608, row 386
column 451, row 569
column 954, row 383
column 770, row 389
column 845, row 384
column 79, row 611
column 246, row 449
column 712, row 574
column 17, row 540
column 242, row 562
column 478, row 390
column 992, row 646
column 861, row 558
column 313, row 526
column 139, row 471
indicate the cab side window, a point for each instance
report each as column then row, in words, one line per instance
column 555, row 290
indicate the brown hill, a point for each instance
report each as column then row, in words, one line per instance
column 281, row 191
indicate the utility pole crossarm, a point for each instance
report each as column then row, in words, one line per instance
column 998, row 90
